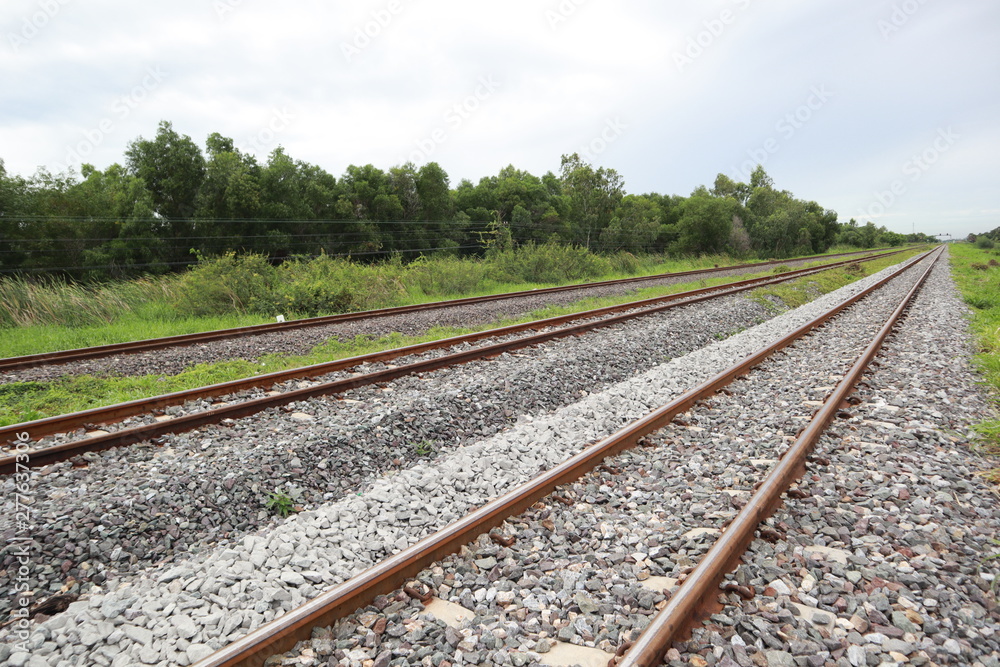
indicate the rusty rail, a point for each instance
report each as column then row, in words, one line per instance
column 63, row 423
column 689, row 603
column 283, row 633
column 131, row 347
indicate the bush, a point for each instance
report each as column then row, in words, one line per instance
column 228, row 283
column 548, row 263
column 332, row 285
column 625, row 263
column 985, row 243
column 447, row 276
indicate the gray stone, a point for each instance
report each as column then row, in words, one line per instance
column 196, row 652
column 138, row 635
column 779, row 659
column 185, row 627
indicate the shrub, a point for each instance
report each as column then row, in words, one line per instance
column 548, row 263
column 984, row 243
column 447, row 276
column 625, row 263
column 227, row 283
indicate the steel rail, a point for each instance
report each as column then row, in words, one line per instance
column 40, row 428
column 283, row 633
column 690, row 602
column 131, row 347
column 53, row 454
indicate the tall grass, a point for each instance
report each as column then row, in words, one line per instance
column 231, row 290
column 55, row 301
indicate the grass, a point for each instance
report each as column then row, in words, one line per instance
column 232, row 292
column 803, row 290
column 26, row 401
column 977, row 274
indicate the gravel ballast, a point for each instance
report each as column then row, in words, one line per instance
column 301, row 556
column 131, row 507
column 886, row 560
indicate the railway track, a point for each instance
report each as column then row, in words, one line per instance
column 133, row 347
column 536, row 583
column 691, row 602
column 510, row 338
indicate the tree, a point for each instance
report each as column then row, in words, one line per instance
column 593, row 196
column 231, row 185
column 727, row 187
column 634, row 227
column 706, row 223
column 172, row 168
column 435, row 195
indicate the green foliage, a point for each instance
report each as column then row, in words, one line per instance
column 51, row 301
column 706, row 223
column 250, row 284
column 172, row 196
column 985, row 243
column 229, row 283
column 981, row 290
column 442, row 276
column 424, row 448
column 548, row 263
column 796, row 292
column 280, row 503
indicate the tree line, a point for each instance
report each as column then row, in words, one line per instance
column 171, row 202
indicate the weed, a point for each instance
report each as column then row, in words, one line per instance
column 280, row 503
column 424, row 448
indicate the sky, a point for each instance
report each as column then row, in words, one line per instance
column 886, row 111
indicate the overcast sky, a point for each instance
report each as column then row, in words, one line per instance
column 881, row 110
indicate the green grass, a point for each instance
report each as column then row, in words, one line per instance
column 803, row 290
column 231, row 291
column 25, row 401
column 20, row 402
column 979, row 282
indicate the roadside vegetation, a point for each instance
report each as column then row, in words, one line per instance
column 233, row 291
column 976, row 268
column 25, row 401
